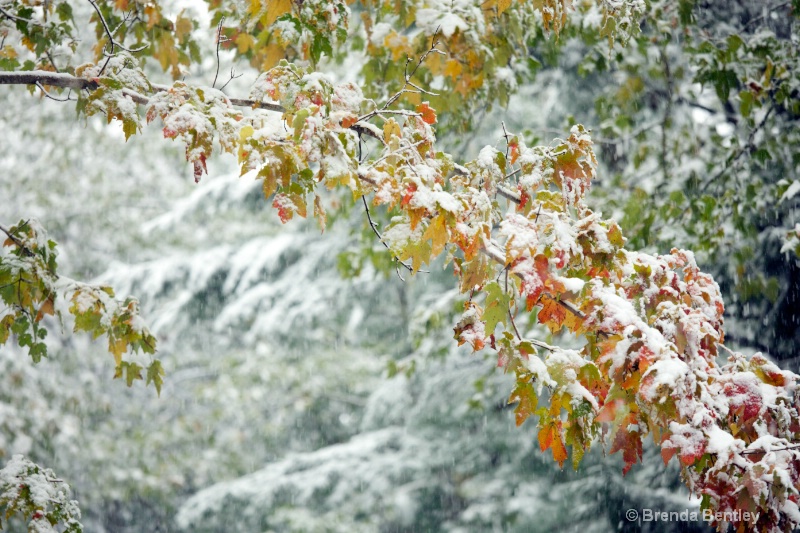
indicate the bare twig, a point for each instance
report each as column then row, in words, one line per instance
column 513, row 324
column 395, row 152
column 407, row 80
column 112, row 43
column 739, row 152
column 662, row 159
column 374, row 227
column 541, row 344
column 50, row 96
column 512, row 174
column 232, row 77
column 505, row 134
column 54, row 79
column 768, row 11
column 219, row 41
column 785, row 448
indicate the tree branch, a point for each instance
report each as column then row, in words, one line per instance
column 15, row 18
column 67, row 81
column 53, row 79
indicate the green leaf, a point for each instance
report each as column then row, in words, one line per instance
column 762, row 155
column 155, row 375
column 64, row 11
column 298, row 123
column 129, row 127
column 37, row 351
column 497, row 302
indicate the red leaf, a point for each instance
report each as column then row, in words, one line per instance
column 410, row 190
column 199, row 168
column 428, row 114
column 629, row 440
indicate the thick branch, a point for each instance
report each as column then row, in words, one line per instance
column 43, row 77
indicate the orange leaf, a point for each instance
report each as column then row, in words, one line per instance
column 545, row 437
column 514, row 151
column 607, row 413
column 559, row 451
column 349, row 120
column 45, row 309
column 552, row 314
column 428, row 114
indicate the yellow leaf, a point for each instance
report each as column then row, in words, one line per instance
column 270, row 55
column 254, row 8
column 244, row 42
column 183, row 27
column 276, row 8
column 497, row 6
column 391, row 128
column 453, row 68
column 437, row 233
column 117, row 347
column 153, row 15
column 319, row 213
column 526, row 396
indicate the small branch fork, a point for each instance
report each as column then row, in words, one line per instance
column 416, row 89
column 785, row 448
column 112, row 43
column 221, row 39
column 15, row 240
column 740, row 151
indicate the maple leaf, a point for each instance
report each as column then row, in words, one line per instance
column 419, row 252
column 526, row 396
column 550, row 437
column 497, row 6
column 428, row 114
column 497, row 302
column 155, row 374
column 349, row 120
column 473, row 273
column 391, row 129
column 513, row 146
column 437, row 233
column 629, row 440
column 552, row 314
column 319, row 213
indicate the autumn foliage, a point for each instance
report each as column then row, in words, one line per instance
column 514, row 225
